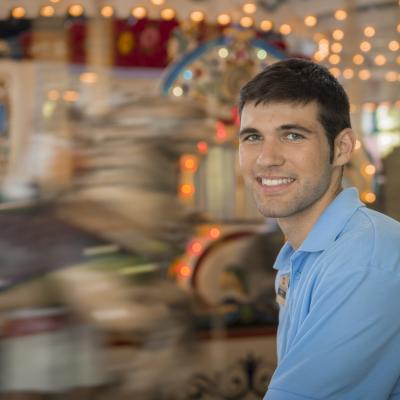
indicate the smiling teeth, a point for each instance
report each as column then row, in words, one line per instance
column 276, row 182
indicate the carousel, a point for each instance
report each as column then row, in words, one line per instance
column 127, row 230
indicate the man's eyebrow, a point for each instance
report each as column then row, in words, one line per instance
column 246, row 131
column 296, row 127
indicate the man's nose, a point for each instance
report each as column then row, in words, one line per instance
column 271, row 153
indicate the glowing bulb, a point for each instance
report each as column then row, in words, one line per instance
column 88, row 77
column 185, row 271
column 336, row 47
column 323, row 48
column 223, row 52
column 335, row 72
column 310, row 20
column 177, row 91
column 214, row 233
column 168, row 14
column 318, row 56
column 186, row 189
column 338, row 34
column 188, row 163
column 220, row 131
column 323, row 42
column 285, row 29
column 197, row 16
column 348, row 73
column 380, row 60
column 391, row 76
column 340, row 15
column 334, row 59
column 202, row 147
column 107, row 11
column 139, row 12
column 187, row 74
column 262, row 54
column 47, row 11
column 249, row 8
column 196, row 247
column 246, row 22
column 266, row 25
column 358, row 59
column 76, row 10
column 393, row 45
column 158, row 2
column 365, row 46
column 370, row 169
column 364, row 74
column 18, row 12
column 369, row 31
column 224, row 19
column 368, row 197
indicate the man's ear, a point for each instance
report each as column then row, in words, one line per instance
column 344, row 146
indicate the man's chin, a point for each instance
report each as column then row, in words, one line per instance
column 269, row 213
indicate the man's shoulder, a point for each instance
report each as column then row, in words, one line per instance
column 371, row 225
column 369, row 239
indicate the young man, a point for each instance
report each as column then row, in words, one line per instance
column 338, row 274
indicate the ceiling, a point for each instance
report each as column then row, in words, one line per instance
column 373, row 75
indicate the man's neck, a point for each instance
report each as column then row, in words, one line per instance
column 297, row 227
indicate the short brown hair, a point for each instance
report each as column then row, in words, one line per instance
column 301, row 81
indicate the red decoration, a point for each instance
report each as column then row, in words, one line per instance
column 150, row 38
column 202, row 147
column 137, row 43
column 221, row 131
column 214, row 233
column 195, row 248
column 77, row 34
column 235, row 115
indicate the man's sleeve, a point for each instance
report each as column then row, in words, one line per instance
column 348, row 345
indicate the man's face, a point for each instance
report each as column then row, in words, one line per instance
column 284, row 158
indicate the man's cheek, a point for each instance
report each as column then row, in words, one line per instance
column 241, row 160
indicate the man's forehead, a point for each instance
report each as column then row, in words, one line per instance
column 280, row 115
column 294, row 104
column 306, row 112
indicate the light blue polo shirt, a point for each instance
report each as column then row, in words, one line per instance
column 339, row 326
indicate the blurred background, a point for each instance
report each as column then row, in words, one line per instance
column 132, row 261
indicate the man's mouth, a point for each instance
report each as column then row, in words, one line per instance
column 271, row 182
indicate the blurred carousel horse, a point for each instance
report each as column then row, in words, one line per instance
column 61, row 289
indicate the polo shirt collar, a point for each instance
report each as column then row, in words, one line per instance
column 283, row 257
column 328, row 226
column 332, row 221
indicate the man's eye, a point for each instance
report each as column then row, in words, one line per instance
column 252, row 138
column 293, row 137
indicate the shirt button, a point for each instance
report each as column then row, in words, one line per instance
column 297, row 276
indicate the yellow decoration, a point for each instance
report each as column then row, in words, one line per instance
column 126, row 43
